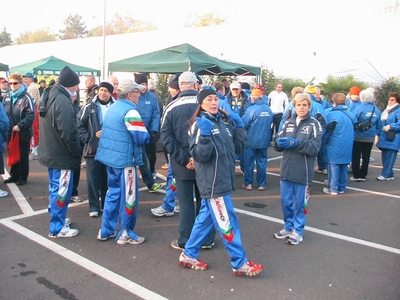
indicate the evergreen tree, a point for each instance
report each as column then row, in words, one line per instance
column 74, row 28
column 5, row 38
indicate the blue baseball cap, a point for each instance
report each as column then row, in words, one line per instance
column 29, row 74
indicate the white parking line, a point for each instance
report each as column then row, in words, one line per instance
column 125, row 283
column 324, row 232
column 19, row 197
column 114, row 278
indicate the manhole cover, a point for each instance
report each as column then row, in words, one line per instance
column 255, row 205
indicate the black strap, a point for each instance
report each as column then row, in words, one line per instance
column 370, row 118
column 346, row 116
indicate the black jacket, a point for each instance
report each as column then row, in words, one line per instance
column 59, row 145
column 89, row 122
column 174, row 132
column 21, row 113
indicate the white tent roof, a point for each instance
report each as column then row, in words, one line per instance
column 370, row 60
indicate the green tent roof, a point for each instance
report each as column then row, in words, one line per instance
column 181, row 58
column 52, row 66
column 3, row 67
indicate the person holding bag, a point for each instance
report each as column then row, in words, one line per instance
column 388, row 140
column 369, row 124
column 20, row 109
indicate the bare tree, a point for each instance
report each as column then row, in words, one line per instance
column 388, row 6
column 122, row 24
column 205, row 20
column 38, row 36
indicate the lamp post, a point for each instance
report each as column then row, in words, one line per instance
column 103, row 71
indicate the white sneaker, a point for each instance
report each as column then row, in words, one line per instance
column 128, row 240
column 33, row 157
column 161, row 212
column 94, row 214
column 76, row 199
column 3, row 193
column 65, row 232
column 68, row 221
column 176, row 209
column 107, row 237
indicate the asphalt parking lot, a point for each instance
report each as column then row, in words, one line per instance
column 351, row 247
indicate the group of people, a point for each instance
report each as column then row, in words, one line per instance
column 203, row 130
column 338, row 136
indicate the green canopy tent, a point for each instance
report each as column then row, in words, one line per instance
column 3, row 67
column 52, row 66
column 181, row 58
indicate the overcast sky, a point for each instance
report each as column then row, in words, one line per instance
column 296, row 38
column 173, row 13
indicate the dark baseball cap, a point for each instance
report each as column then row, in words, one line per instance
column 29, row 74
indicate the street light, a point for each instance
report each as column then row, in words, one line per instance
column 103, row 71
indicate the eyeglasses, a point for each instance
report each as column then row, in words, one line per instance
column 13, row 83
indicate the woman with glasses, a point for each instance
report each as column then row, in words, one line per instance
column 388, row 140
column 19, row 107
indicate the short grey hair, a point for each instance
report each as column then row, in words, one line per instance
column 366, row 96
column 126, row 86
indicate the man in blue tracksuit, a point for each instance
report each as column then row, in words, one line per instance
column 120, row 148
column 149, row 110
column 258, row 120
column 59, row 148
column 338, row 141
column 300, row 141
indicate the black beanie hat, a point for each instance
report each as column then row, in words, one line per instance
column 199, row 80
column 107, row 85
column 204, row 93
column 140, row 78
column 68, row 77
column 173, row 83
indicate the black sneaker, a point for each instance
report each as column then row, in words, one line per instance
column 175, row 245
column 10, row 180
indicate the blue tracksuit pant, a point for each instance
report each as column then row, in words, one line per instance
column 293, row 197
column 388, row 160
column 218, row 213
column 122, row 200
column 60, row 191
column 170, row 194
column 260, row 155
column 337, row 177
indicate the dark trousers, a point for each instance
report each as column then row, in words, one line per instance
column 166, row 155
column 147, row 176
column 276, row 122
column 20, row 170
column 96, row 178
column 361, row 149
column 151, row 151
column 186, row 190
column 77, row 176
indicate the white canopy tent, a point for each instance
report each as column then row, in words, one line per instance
column 370, row 59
